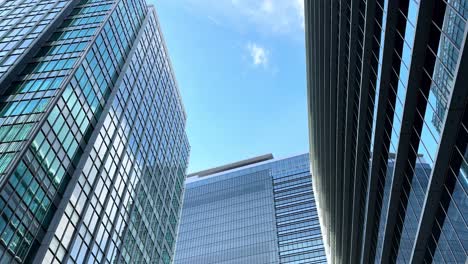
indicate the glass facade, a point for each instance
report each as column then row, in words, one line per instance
column 23, row 22
column 298, row 228
column 259, row 213
column 420, row 172
column 399, row 123
column 93, row 150
column 230, row 219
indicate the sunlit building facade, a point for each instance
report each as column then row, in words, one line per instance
column 259, row 210
column 93, row 150
column 387, row 94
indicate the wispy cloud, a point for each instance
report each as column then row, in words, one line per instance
column 214, row 20
column 258, row 54
column 299, row 4
column 271, row 17
column 276, row 16
column 267, row 6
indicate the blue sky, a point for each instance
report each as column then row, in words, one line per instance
column 240, row 66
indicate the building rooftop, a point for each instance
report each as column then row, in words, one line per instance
column 231, row 166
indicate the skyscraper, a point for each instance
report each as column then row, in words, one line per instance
column 388, row 128
column 258, row 211
column 93, row 150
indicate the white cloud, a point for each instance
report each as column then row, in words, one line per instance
column 267, row 6
column 274, row 16
column 258, row 54
column 268, row 17
column 299, row 4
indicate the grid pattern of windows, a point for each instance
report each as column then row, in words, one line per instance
column 22, row 22
column 26, row 212
column 420, row 171
column 101, row 180
column 162, row 156
column 229, row 220
column 261, row 213
column 26, row 100
column 449, row 238
column 442, row 55
column 452, row 232
column 299, row 235
column 137, row 167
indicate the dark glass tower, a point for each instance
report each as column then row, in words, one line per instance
column 93, row 150
column 258, row 211
column 388, row 118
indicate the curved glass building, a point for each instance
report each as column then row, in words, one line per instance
column 387, row 98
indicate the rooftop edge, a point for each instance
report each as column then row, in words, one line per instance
column 231, row 166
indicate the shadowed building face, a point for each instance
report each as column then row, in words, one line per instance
column 388, row 128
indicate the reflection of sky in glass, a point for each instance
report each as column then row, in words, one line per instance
column 433, row 117
column 452, row 244
column 441, row 87
column 452, row 241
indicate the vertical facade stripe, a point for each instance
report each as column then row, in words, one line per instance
column 391, row 183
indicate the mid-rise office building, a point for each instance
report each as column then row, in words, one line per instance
column 93, row 150
column 387, row 101
column 259, row 210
